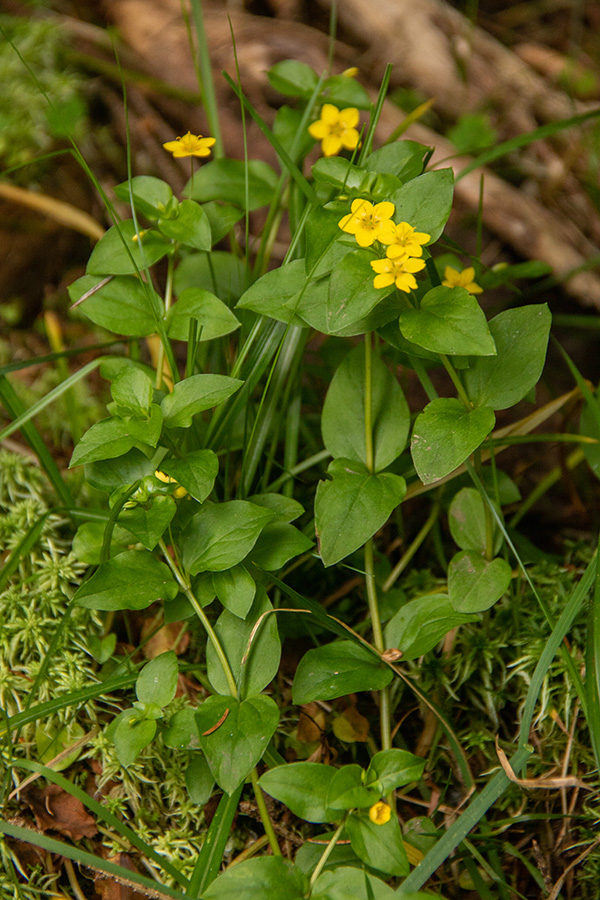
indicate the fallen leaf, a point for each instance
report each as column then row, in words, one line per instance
column 57, row 810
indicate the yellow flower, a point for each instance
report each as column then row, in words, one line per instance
column 352, row 72
column 380, row 813
column 403, row 239
column 190, row 145
column 400, row 270
column 454, row 278
column 179, row 491
column 336, row 129
column 366, row 221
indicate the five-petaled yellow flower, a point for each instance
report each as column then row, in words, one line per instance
column 454, row 278
column 179, row 491
column 403, row 239
column 336, row 129
column 380, row 813
column 399, row 270
column 366, row 222
column 190, row 145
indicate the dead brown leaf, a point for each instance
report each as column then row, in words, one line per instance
column 311, row 723
column 57, row 810
column 109, row 888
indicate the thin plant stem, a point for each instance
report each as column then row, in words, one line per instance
column 456, row 381
column 327, row 853
column 207, row 87
column 185, row 587
column 168, row 298
column 385, row 723
column 264, row 814
column 410, row 552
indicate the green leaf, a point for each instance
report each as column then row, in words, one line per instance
column 115, row 436
column 449, row 320
column 475, row 583
column 121, row 252
column 152, row 197
column 235, row 588
column 52, row 739
column 225, row 179
column 421, row 624
column 444, row 436
column 404, row 159
column 131, row 735
column 352, row 295
column 303, row 787
column 214, row 318
column 109, row 474
column 157, row 682
column 344, row 91
column 349, row 883
column 196, row 472
column 390, row 769
column 261, row 657
column 326, row 243
column 277, row 293
column 220, row 272
column 425, row 202
column 189, row 227
column 132, row 580
column 342, row 174
column 521, row 338
column 221, row 535
column 233, row 747
column 149, row 524
column 293, row 78
column 124, row 306
column 351, row 507
column 133, row 390
column 285, row 508
column 277, row 544
column 89, row 539
column 222, row 217
column 379, row 846
column 313, row 310
column 466, row 518
column 273, row 877
column 194, row 395
column 347, row 791
column 199, row 780
column 344, row 412
column 337, row 669
column 181, row 732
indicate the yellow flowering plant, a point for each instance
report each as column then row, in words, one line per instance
column 336, row 129
column 190, row 145
column 231, row 493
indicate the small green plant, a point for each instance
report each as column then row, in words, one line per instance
column 205, row 462
column 35, row 72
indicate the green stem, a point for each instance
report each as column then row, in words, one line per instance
column 264, row 814
column 456, row 381
column 185, row 587
column 168, row 298
column 327, row 853
column 408, row 555
column 369, row 456
column 207, row 87
column 385, row 718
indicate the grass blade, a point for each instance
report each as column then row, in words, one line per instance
column 103, row 813
column 58, row 391
column 125, row 876
column 15, row 408
column 210, row 857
